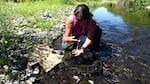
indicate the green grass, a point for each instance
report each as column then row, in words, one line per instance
column 30, row 8
column 43, row 23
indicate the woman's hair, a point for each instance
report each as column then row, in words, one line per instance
column 83, row 10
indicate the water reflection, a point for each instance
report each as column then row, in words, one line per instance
column 135, row 39
column 106, row 18
column 114, row 28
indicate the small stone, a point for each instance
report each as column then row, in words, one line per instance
column 28, row 74
column 53, row 76
column 23, row 77
column 120, row 49
column 36, row 71
column 16, row 82
column 20, row 33
column 5, row 67
column 8, row 82
column 22, row 82
column 91, row 81
column 32, row 79
column 2, row 76
column 14, row 72
column 76, row 78
column 28, row 70
column 35, row 26
column 28, row 82
column 148, row 7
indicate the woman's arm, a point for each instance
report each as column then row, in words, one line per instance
column 88, row 41
column 90, row 34
column 68, row 31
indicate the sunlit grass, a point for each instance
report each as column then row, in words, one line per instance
column 30, row 8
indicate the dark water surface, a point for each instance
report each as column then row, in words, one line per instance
column 124, row 56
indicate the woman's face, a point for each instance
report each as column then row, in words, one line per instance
column 79, row 17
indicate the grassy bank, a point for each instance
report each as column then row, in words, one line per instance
column 29, row 12
column 29, row 8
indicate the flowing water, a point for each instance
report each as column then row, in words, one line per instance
column 123, row 55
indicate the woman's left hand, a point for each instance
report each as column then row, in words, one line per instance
column 77, row 52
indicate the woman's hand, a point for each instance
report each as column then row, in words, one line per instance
column 73, row 39
column 77, row 52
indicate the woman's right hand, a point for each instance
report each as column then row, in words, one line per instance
column 73, row 39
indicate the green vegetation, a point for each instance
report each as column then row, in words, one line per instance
column 5, row 25
column 137, row 11
column 33, row 8
column 6, row 15
column 10, row 42
column 138, row 3
column 136, row 15
column 133, row 16
column 30, row 7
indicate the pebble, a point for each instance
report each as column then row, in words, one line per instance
column 2, row 76
column 35, row 26
column 14, row 72
column 16, row 82
column 20, row 33
column 22, row 82
column 28, row 70
column 28, row 82
column 28, row 74
column 148, row 7
column 5, row 67
column 8, row 82
column 91, row 81
column 77, row 78
column 32, row 79
column 36, row 71
column 117, row 55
